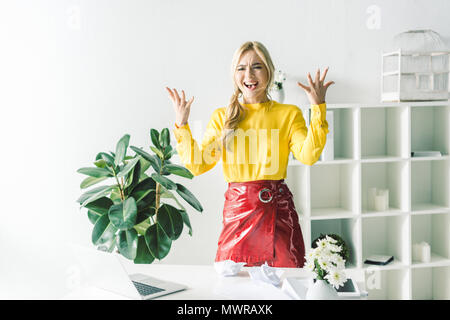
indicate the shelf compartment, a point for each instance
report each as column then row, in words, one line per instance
column 347, row 229
column 430, row 129
column 386, row 235
column 331, row 213
column 333, row 189
column 430, row 185
column 297, row 179
column 306, row 232
column 386, row 175
column 387, row 284
column 342, row 133
column 431, row 283
column 435, row 230
column 381, row 159
column 382, row 132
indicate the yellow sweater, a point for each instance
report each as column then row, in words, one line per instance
column 262, row 141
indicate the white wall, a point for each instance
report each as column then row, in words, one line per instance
column 77, row 75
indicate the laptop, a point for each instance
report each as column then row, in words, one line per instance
column 104, row 270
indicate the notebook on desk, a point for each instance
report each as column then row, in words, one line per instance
column 104, row 270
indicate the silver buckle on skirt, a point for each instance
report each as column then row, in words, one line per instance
column 261, row 192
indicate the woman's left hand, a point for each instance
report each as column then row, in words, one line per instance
column 316, row 90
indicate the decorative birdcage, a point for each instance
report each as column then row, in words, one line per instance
column 416, row 68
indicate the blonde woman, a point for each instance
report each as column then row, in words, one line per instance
column 254, row 137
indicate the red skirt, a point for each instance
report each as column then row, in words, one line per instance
column 260, row 224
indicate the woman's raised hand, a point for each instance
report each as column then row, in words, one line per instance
column 316, row 90
column 181, row 106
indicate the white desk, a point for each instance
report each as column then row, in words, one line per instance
column 203, row 283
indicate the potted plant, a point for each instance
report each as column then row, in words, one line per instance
column 129, row 215
column 326, row 261
column 344, row 253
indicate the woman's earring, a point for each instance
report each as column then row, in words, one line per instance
column 240, row 95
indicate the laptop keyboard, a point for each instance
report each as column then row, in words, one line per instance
column 145, row 289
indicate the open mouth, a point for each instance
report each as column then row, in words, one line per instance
column 251, row 85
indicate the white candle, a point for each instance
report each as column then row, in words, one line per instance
column 421, row 252
column 416, row 252
column 382, row 200
column 385, row 194
column 371, row 198
column 425, row 252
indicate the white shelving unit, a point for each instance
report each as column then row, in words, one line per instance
column 372, row 148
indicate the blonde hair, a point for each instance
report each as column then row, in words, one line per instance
column 235, row 112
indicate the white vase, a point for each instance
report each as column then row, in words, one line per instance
column 277, row 95
column 321, row 290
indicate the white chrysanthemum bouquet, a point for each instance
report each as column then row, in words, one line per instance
column 326, row 262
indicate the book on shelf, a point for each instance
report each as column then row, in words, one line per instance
column 425, row 153
column 379, row 260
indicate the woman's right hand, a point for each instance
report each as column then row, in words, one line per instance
column 181, row 106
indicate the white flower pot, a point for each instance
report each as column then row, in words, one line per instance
column 277, row 95
column 321, row 290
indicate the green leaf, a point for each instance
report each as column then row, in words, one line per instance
column 145, row 185
column 164, row 138
column 150, row 158
column 168, row 152
column 168, row 194
column 144, row 198
column 164, row 172
column 133, row 178
column 144, row 214
column 143, row 188
column 128, row 167
column 154, row 134
column 178, row 170
column 146, row 202
column 93, row 216
column 165, row 182
column 144, row 193
column 127, row 241
column 142, row 227
column 108, row 246
column 158, row 152
column 170, row 220
column 94, row 194
column 121, row 149
column 189, row 197
column 186, row 220
column 90, row 181
column 95, row 172
column 103, row 230
column 159, row 162
column 145, row 164
column 100, row 206
column 123, row 215
column 143, row 255
column 109, row 160
column 115, row 195
column 100, row 163
column 158, row 242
